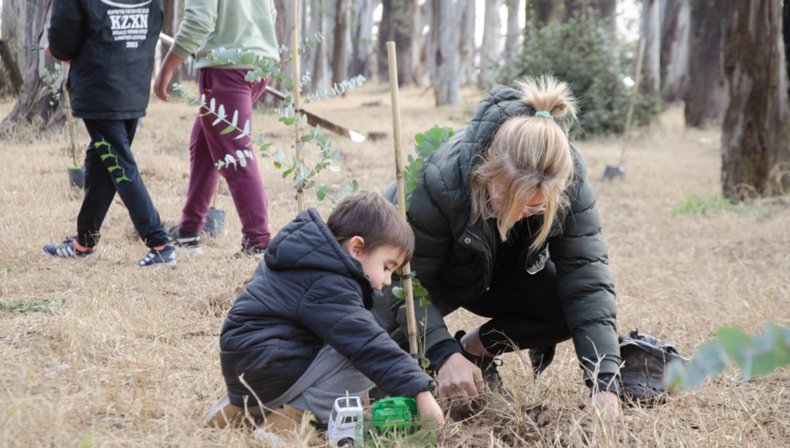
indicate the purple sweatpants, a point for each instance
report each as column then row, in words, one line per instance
column 206, row 146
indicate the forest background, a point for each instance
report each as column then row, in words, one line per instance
column 103, row 353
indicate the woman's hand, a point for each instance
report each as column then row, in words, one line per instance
column 460, row 381
column 607, row 404
column 429, row 408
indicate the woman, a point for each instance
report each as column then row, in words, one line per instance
column 506, row 227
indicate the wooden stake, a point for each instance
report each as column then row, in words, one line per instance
column 297, row 104
column 406, row 269
column 69, row 117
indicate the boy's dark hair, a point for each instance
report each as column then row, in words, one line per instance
column 373, row 218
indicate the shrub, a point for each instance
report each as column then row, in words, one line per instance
column 582, row 52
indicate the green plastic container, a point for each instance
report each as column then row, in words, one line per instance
column 394, row 413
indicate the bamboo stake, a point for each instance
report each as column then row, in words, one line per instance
column 69, row 118
column 297, row 104
column 406, row 269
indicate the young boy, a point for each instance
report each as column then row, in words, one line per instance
column 110, row 46
column 241, row 25
column 301, row 333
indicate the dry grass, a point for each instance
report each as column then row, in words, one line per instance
column 102, row 352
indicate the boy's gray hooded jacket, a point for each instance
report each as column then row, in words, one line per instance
column 454, row 254
column 307, row 292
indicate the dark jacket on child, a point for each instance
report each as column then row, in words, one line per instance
column 308, row 292
column 110, row 45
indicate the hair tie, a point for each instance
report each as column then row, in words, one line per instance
column 544, row 114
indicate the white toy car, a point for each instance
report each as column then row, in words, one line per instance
column 345, row 426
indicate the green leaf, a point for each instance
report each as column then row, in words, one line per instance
column 306, row 138
column 735, row 343
column 419, row 291
column 321, row 193
column 287, row 172
column 247, row 58
column 288, row 121
column 227, row 130
column 399, row 293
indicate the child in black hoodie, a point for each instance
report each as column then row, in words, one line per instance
column 110, row 48
column 301, row 333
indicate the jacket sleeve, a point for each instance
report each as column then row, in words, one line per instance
column 339, row 318
column 585, row 285
column 66, row 29
column 200, row 19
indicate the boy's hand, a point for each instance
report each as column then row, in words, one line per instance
column 165, row 75
column 607, row 403
column 460, row 381
column 428, row 407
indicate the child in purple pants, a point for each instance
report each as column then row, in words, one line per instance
column 245, row 25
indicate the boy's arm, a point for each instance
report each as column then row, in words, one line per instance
column 336, row 315
column 165, row 75
column 200, row 19
column 66, row 32
column 428, row 407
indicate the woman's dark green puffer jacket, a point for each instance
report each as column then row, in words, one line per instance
column 454, row 254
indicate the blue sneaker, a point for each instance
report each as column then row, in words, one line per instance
column 67, row 249
column 164, row 257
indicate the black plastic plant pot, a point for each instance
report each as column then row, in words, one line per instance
column 77, row 176
column 215, row 223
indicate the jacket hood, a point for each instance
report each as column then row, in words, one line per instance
column 307, row 243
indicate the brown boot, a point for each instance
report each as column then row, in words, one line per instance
column 279, row 422
column 285, row 418
column 224, row 414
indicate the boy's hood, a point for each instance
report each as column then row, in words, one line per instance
column 307, row 243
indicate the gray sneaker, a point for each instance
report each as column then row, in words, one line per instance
column 187, row 243
column 248, row 250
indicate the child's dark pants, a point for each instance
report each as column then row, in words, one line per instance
column 110, row 168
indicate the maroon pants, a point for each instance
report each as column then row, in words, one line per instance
column 228, row 88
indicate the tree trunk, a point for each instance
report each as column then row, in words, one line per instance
column 14, row 15
column 362, row 39
column 513, row 33
column 173, row 13
column 466, row 45
column 489, row 50
column 651, row 35
column 608, row 11
column 318, row 59
column 572, row 8
column 675, row 21
column 786, row 33
column 397, row 25
column 340, row 53
column 755, row 143
column 419, row 46
column 543, row 11
column 707, row 94
column 443, row 49
column 35, row 103
column 11, row 68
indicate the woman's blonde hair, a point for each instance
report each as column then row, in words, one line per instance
column 530, row 154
